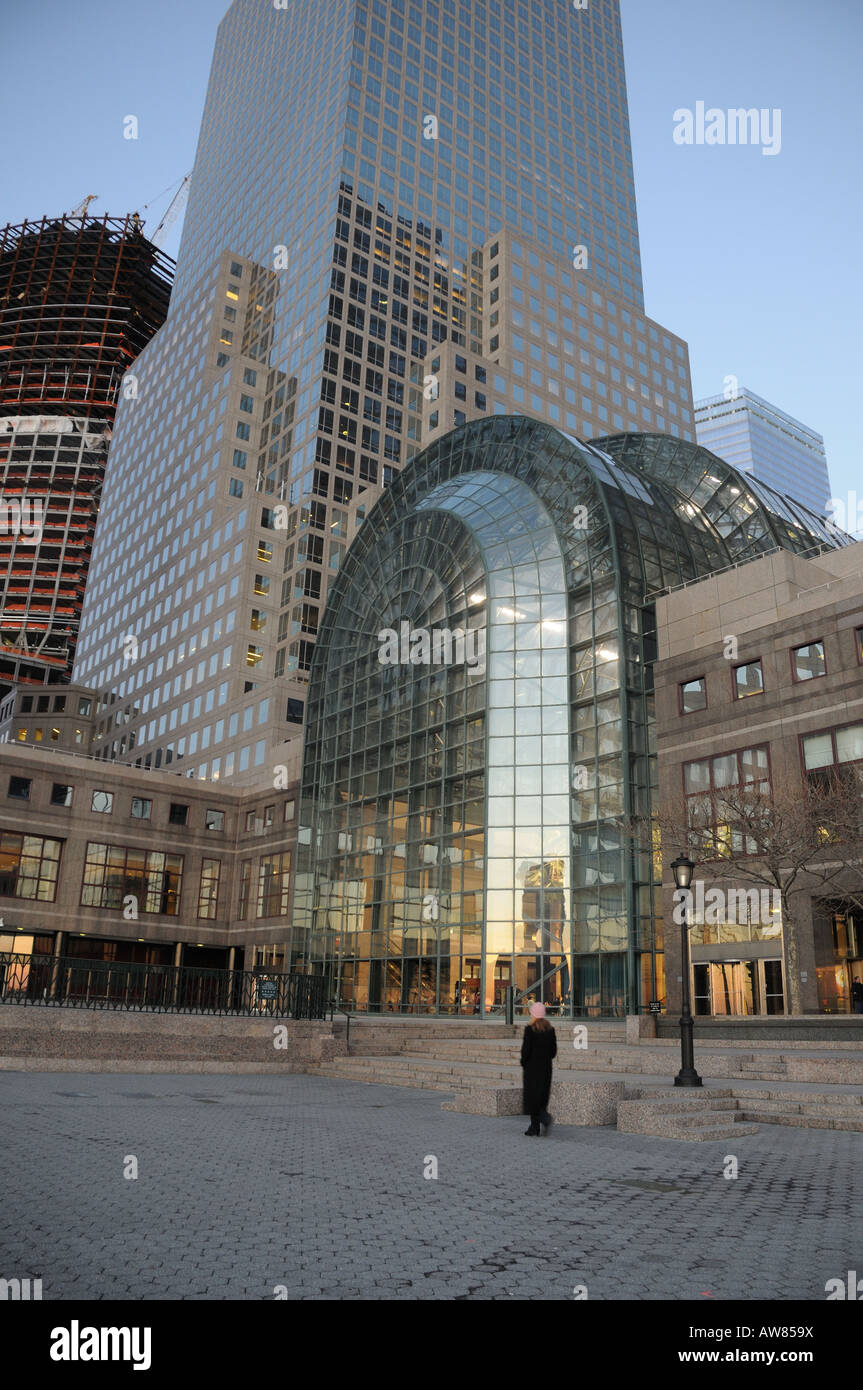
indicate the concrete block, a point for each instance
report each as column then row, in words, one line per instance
column 493, row 1101
column 639, row 1026
column 586, row 1103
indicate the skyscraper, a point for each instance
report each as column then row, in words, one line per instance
column 353, row 164
column 758, row 437
column 79, row 298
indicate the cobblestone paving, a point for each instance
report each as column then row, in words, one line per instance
column 249, row 1183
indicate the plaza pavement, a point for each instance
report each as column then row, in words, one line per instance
column 253, row 1187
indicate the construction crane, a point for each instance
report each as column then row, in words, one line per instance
column 175, row 207
column 81, row 209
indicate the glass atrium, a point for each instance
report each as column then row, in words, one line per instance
column 463, row 821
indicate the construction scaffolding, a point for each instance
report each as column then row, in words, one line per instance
column 80, row 297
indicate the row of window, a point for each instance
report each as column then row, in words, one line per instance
column 153, row 879
column 103, row 801
column 41, row 704
column 808, row 662
column 705, row 780
column 142, row 806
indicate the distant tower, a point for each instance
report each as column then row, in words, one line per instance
column 79, row 298
column 750, row 433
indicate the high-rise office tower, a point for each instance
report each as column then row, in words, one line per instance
column 355, row 164
column 758, row 437
column 80, row 296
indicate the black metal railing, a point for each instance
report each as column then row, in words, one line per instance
column 94, row 984
column 334, row 1006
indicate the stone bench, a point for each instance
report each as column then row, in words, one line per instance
column 584, row 1103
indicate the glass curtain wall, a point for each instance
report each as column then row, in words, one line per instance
column 464, row 821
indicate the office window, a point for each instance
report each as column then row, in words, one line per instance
column 215, row 820
column 208, row 893
column 834, row 746
column 61, row 794
column 711, row 789
column 28, row 866
column 693, row 695
column 141, row 808
column 19, row 788
column 273, row 884
column 178, row 814
column 808, row 662
column 113, row 873
column 102, row 801
column 245, row 881
column 748, row 679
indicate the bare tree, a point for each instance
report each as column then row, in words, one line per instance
column 798, row 840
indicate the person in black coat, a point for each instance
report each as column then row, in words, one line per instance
column 538, row 1048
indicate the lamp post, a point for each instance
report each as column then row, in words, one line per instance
column 687, row 1076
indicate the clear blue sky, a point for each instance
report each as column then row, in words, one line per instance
column 754, row 260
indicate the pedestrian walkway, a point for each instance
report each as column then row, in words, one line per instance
column 314, row 1188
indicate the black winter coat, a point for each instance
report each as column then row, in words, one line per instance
column 537, row 1051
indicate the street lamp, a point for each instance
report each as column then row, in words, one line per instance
column 687, row 1076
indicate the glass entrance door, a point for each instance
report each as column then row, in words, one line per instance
column 737, row 988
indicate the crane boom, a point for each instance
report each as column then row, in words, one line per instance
column 175, row 206
column 81, row 209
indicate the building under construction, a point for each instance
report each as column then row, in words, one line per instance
column 79, row 298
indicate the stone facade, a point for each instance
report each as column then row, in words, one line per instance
column 762, row 613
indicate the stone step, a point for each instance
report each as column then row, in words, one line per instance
column 807, row 1121
column 689, row 1115
column 797, row 1104
column 851, row 1099
column 708, row 1132
column 141, row 1067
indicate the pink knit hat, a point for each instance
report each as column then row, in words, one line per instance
column 537, row 1011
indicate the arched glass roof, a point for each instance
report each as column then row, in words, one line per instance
column 662, row 510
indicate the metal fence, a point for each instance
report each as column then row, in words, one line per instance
column 90, row 984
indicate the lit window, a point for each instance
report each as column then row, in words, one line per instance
column 748, row 680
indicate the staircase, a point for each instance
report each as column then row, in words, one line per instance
column 696, row 1116
column 804, row 1110
column 456, row 1057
